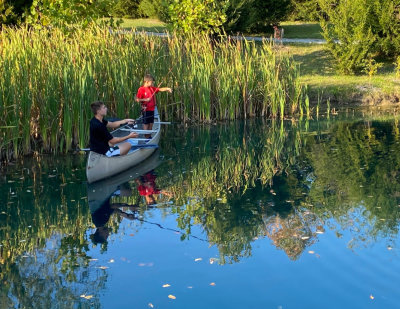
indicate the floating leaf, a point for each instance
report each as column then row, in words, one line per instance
column 190, row 287
column 305, row 237
column 389, row 248
column 171, row 296
column 103, row 267
column 198, row 259
column 213, row 260
column 212, row 283
column 87, row 296
column 111, row 261
column 372, row 296
column 311, row 252
column 151, row 305
column 166, row 285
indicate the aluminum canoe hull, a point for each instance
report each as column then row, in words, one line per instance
column 99, row 166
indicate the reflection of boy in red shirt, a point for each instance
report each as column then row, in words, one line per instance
column 146, row 95
column 147, row 187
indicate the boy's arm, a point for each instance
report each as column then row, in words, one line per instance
column 165, row 89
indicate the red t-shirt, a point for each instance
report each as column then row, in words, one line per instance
column 145, row 190
column 145, row 93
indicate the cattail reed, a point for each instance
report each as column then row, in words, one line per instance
column 49, row 79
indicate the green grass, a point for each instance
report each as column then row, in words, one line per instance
column 301, row 30
column 317, row 70
column 144, row 24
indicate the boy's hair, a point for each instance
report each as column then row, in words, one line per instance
column 148, row 78
column 95, row 106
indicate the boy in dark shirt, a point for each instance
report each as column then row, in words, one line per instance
column 101, row 139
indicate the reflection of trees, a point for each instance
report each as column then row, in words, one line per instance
column 46, row 208
column 217, row 185
column 354, row 177
column 346, row 171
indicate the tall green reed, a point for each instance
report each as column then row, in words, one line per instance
column 49, row 80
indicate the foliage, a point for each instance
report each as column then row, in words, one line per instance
column 304, row 10
column 364, row 29
column 196, row 15
column 126, row 8
column 141, row 9
column 254, row 16
column 66, row 13
column 397, row 69
column 371, row 67
column 348, row 23
column 11, row 12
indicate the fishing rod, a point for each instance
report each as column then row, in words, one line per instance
column 135, row 206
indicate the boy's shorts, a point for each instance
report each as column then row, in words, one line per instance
column 148, row 117
column 113, row 151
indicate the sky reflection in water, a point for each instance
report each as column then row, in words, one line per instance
column 245, row 215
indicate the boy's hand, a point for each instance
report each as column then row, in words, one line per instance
column 169, row 90
column 133, row 135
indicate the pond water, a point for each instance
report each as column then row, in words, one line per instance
column 256, row 214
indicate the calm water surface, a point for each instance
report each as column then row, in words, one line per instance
column 301, row 214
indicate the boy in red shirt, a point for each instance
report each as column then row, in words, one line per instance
column 146, row 95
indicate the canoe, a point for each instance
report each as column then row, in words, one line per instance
column 100, row 166
column 101, row 191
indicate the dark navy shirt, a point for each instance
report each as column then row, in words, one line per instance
column 99, row 136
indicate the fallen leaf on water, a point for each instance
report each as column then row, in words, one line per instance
column 131, row 234
column 371, row 296
column 93, row 260
column 213, row 260
column 311, row 252
column 190, row 287
column 111, row 261
column 171, row 296
column 320, row 232
column 389, row 248
column 142, row 264
column 212, row 283
column 151, row 305
column 198, row 259
column 87, row 296
column 166, row 285
column 305, row 237
column 102, row 267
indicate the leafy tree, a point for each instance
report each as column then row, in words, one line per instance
column 365, row 29
column 348, row 23
column 67, row 13
column 126, row 8
column 305, row 10
column 254, row 15
column 11, row 11
column 196, row 15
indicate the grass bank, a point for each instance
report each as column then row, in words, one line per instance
column 317, row 70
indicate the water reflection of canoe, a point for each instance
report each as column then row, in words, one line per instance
column 101, row 191
column 99, row 166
